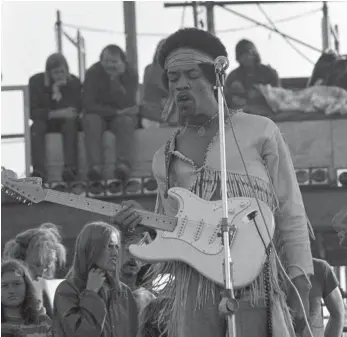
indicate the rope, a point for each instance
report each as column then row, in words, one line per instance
column 286, row 19
column 100, row 30
column 285, row 38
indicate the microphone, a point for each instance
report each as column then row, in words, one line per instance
column 221, row 63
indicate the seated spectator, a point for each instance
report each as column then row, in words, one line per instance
column 55, row 103
column 330, row 70
column 42, row 252
column 109, row 102
column 154, row 93
column 92, row 301
column 239, row 86
column 130, row 270
column 20, row 308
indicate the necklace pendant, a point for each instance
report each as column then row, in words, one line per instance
column 201, row 131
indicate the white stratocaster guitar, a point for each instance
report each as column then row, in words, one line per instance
column 192, row 236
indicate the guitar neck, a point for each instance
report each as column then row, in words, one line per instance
column 149, row 219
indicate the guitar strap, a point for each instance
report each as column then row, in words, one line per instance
column 168, row 158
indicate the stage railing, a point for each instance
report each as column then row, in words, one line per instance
column 26, row 135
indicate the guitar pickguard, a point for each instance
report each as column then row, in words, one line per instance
column 201, row 236
column 203, row 233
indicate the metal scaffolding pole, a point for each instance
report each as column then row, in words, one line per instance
column 130, row 32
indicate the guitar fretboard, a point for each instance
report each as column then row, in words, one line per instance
column 149, row 219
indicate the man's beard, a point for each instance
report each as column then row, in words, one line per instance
column 186, row 112
column 130, row 269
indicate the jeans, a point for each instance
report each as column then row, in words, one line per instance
column 122, row 126
column 39, row 129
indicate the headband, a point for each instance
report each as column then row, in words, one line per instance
column 184, row 56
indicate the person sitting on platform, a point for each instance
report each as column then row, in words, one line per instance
column 239, row 86
column 190, row 160
column 155, row 95
column 92, row 301
column 55, row 104
column 109, row 102
column 20, row 308
column 41, row 250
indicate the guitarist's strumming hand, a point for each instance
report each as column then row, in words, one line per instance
column 128, row 218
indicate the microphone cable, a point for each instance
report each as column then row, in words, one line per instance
column 219, row 84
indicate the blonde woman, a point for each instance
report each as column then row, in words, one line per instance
column 92, row 301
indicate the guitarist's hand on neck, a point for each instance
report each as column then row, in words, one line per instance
column 128, row 219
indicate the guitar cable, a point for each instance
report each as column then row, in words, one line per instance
column 263, row 217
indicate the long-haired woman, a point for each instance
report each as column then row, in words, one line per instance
column 92, row 301
column 20, row 308
column 42, row 251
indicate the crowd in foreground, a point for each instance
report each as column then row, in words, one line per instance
column 105, row 292
column 100, row 296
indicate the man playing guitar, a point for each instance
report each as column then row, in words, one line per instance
column 191, row 160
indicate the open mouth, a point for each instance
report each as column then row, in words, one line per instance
column 183, row 97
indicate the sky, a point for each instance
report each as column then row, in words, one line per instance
column 27, row 38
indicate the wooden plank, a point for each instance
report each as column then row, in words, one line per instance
column 339, row 143
column 313, row 143
column 148, row 143
column 322, row 204
column 309, row 142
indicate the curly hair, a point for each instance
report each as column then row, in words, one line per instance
column 30, row 308
column 41, row 242
column 157, row 49
column 196, row 39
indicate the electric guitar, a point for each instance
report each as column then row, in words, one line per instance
column 193, row 236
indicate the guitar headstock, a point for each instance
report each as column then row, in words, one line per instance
column 25, row 190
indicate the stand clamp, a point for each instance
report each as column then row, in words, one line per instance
column 228, row 305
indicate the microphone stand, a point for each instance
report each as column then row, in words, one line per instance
column 228, row 305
